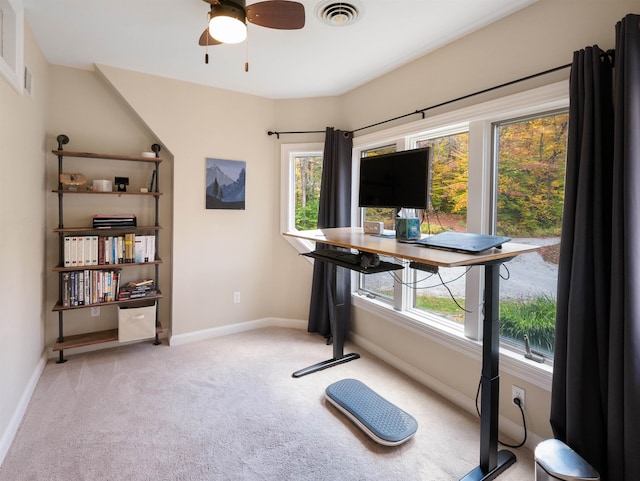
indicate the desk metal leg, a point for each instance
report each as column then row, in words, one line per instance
column 492, row 461
column 339, row 311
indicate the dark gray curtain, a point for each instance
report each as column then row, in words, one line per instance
column 334, row 210
column 595, row 402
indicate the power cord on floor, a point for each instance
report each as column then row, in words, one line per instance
column 524, row 423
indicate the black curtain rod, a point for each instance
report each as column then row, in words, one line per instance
column 422, row 111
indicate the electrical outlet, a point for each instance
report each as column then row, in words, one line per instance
column 95, row 311
column 517, row 392
column 236, row 297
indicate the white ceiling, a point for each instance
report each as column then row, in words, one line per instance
column 160, row 37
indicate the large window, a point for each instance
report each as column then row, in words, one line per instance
column 531, row 161
column 308, row 178
column 301, row 175
column 497, row 167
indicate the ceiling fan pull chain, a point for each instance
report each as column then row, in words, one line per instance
column 206, row 47
column 246, row 63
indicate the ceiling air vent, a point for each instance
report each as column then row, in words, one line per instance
column 337, row 14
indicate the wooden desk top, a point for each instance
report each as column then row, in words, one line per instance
column 355, row 238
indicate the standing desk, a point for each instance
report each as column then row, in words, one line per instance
column 492, row 461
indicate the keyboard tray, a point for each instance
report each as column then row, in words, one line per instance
column 382, row 267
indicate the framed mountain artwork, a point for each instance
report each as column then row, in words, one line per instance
column 225, row 184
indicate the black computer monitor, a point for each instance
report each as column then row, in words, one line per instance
column 396, row 180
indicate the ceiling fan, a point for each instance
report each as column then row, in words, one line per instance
column 227, row 20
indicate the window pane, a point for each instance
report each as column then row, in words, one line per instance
column 373, row 214
column 381, row 284
column 449, row 177
column 308, row 179
column 531, row 160
column 447, row 211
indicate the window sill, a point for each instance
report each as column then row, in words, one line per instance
column 510, row 362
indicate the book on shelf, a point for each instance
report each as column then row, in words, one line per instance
column 64, row 296
column 144, row 248
column 87, row 287
column 138, row 290
column 80, row 291
column 81, row 251
column 128, row 247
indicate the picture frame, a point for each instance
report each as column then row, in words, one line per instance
column 225, row 184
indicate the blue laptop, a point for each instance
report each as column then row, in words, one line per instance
column 463, row 242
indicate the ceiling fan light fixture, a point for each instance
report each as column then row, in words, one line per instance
column 227, row 23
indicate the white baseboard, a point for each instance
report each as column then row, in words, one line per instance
column 9, row 434
column 507, row 427
column 179, row 339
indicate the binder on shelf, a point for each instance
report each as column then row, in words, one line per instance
column 87, row 250
column 67, row 251
column 114, row 221
column 80, row 251
column 94, row 250
column 74, row 252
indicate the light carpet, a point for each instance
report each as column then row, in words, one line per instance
column 228, row 409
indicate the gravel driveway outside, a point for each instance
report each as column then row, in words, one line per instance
column 523, row 277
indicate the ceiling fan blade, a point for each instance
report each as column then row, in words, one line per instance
column 280, row 14
column 210, row 41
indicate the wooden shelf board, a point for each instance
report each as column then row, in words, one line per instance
column 93, row 192
column 106, row 267
column 91, row 338
column 87, row 339
column 60, row 307
column 91, row 155
column 108, row 230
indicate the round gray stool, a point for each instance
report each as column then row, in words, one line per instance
column 557, row 461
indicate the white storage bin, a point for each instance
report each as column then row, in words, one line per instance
column 137, row 321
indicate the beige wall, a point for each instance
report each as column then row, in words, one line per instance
column 217, row 252
column 538, row 38
column 22, row 225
